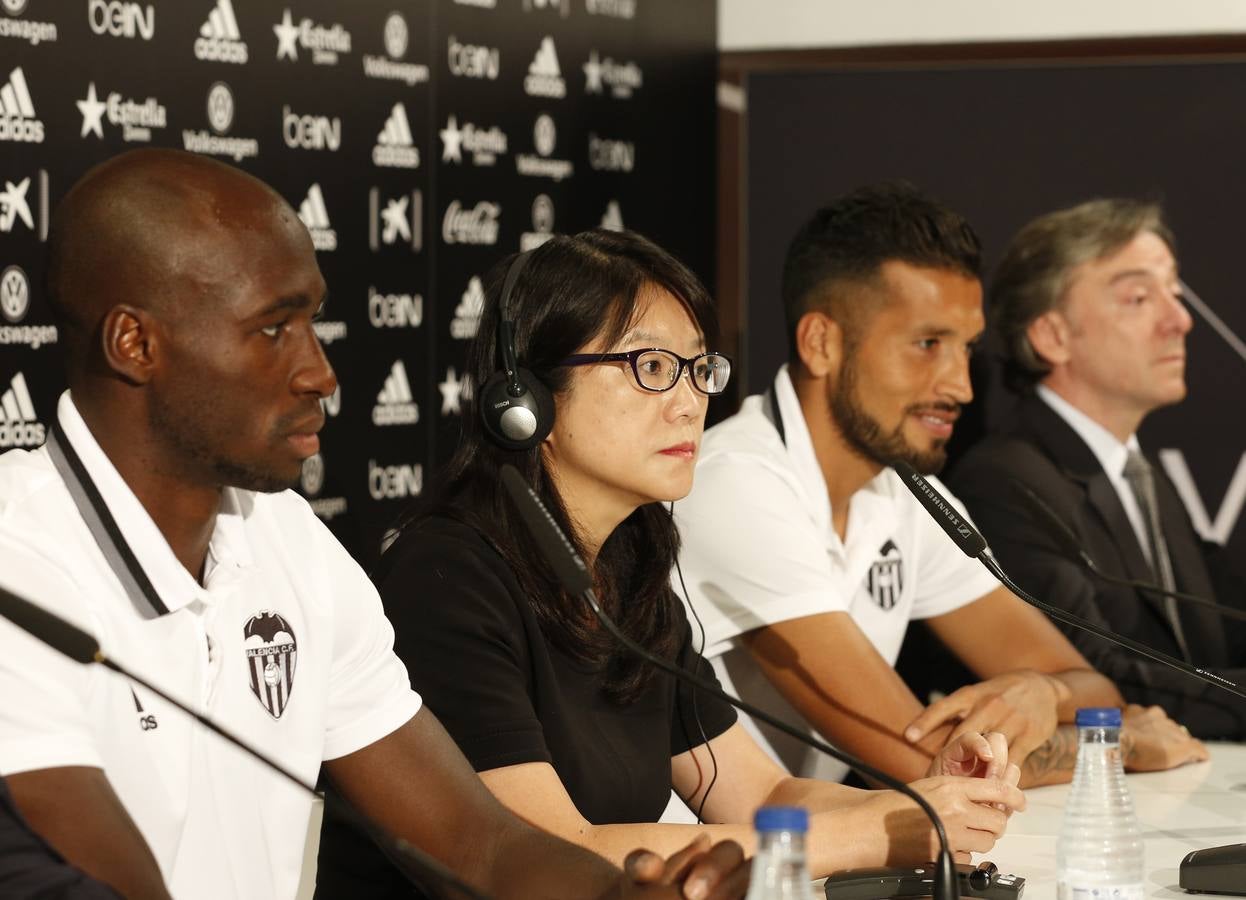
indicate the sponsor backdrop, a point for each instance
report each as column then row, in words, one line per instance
column 420, row 143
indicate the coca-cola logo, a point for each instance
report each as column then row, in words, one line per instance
column 478, row 225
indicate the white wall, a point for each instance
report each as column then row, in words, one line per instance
column 772, row 24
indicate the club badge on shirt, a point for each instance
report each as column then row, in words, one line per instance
column 271, row 652
column 885, row 581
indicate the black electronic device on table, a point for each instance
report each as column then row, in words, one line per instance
column 1215, row 870
column 982, row 880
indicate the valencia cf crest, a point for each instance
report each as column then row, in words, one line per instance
column 271, row 652
column 886, row 579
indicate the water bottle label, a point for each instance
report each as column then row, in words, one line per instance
column 1074, row 891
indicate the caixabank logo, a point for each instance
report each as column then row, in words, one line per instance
column 395, row 221
column 18, row 122
column 24, row 205
column 21, row 29
column 219, row 38
column 392, row 67
column 19, row 424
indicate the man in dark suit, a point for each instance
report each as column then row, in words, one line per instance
column 1088, row 305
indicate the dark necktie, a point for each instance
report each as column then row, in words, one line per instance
column 1142, row 482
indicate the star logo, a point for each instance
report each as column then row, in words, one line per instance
column 394, row 216
column 451, row 141
column 92, row 109
column 287, row 33
column 13, row 205
column 453, row 391
column 592, row 74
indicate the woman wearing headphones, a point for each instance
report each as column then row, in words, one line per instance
column 570, row 731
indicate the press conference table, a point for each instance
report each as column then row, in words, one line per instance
column 1181, row 810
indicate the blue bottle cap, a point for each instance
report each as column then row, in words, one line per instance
column 1099, row 717
column 781, row 818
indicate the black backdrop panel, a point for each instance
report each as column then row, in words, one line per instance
column 420, row 141
column 1001, row 145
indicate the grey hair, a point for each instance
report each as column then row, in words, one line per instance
column 1034, row 274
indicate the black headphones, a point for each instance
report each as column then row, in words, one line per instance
column 516, row 409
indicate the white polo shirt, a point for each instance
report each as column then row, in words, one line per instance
column 286, row 646
column 759, row 548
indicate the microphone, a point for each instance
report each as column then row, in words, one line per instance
column 574, row 577
column 82, row 647
column 973, row 545
column 1068, row 542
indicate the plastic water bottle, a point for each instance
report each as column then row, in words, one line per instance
column 1099, row 851
column 779, row 868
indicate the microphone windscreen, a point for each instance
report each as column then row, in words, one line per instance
column 570, row 570
column 958, row 529
column 49, row 628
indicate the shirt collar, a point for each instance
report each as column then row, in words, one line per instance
column 804, row 459
column 227, row 549
column 1109, row 451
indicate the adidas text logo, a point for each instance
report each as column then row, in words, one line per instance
column 19, row 426
column 466, row 321
column 325, row 43
column 219, row 38
column 316, row 217
column 394, row 145
column 390, row 67
column 394, row 404
column 478, row 225
column 606, row 155
column 393, row 482
column 395, row 310
column 544, row 78
column 310, row 132
column 120, row 19
column 17, row 111
column 473, row 60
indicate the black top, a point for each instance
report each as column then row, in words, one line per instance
column 29, row 867
column 1043, row 452
column 479, row 659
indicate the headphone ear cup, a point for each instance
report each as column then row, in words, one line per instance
column 516, row 423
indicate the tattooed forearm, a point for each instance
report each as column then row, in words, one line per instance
column 1053, row 762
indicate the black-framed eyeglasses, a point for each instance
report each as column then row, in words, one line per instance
column 658, row 370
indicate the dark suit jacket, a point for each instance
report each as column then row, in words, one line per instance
column 1043, row 452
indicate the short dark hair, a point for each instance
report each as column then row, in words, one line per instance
column 572, row 290
column 1033, row 275
column 849, row 240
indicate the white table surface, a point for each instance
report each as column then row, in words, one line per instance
column 1184, row 809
